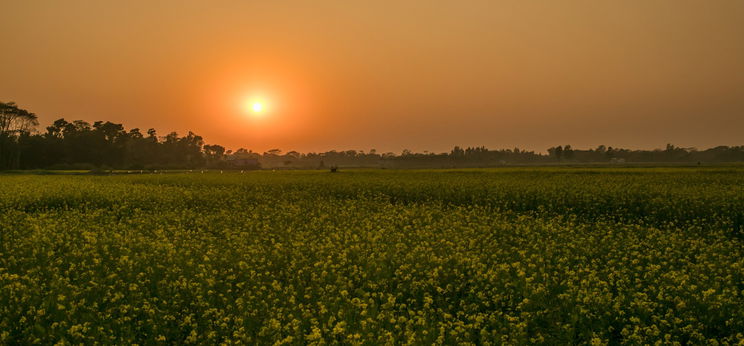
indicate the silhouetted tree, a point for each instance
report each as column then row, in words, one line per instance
column 15, row 122
column 556, row 152
column 568, row 153
column 78, row 144
column 215, row 155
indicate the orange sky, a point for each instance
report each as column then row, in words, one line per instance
column 389, row 75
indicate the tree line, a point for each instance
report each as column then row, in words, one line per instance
column 105, row 145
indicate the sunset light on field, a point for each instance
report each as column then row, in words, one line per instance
column 372, row 172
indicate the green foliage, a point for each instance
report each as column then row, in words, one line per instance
column 514, row 256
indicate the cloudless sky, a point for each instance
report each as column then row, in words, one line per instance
column 389, row 75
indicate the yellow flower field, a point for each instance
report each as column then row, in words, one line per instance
column 491, row 256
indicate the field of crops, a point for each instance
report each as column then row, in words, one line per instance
column 499, row 256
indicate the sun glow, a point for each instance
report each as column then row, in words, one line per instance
column 256, row 106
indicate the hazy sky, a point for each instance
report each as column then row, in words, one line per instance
column 421, row 75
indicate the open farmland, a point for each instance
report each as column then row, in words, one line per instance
column 514, row 256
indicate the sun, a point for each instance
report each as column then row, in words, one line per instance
column 257, row 107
